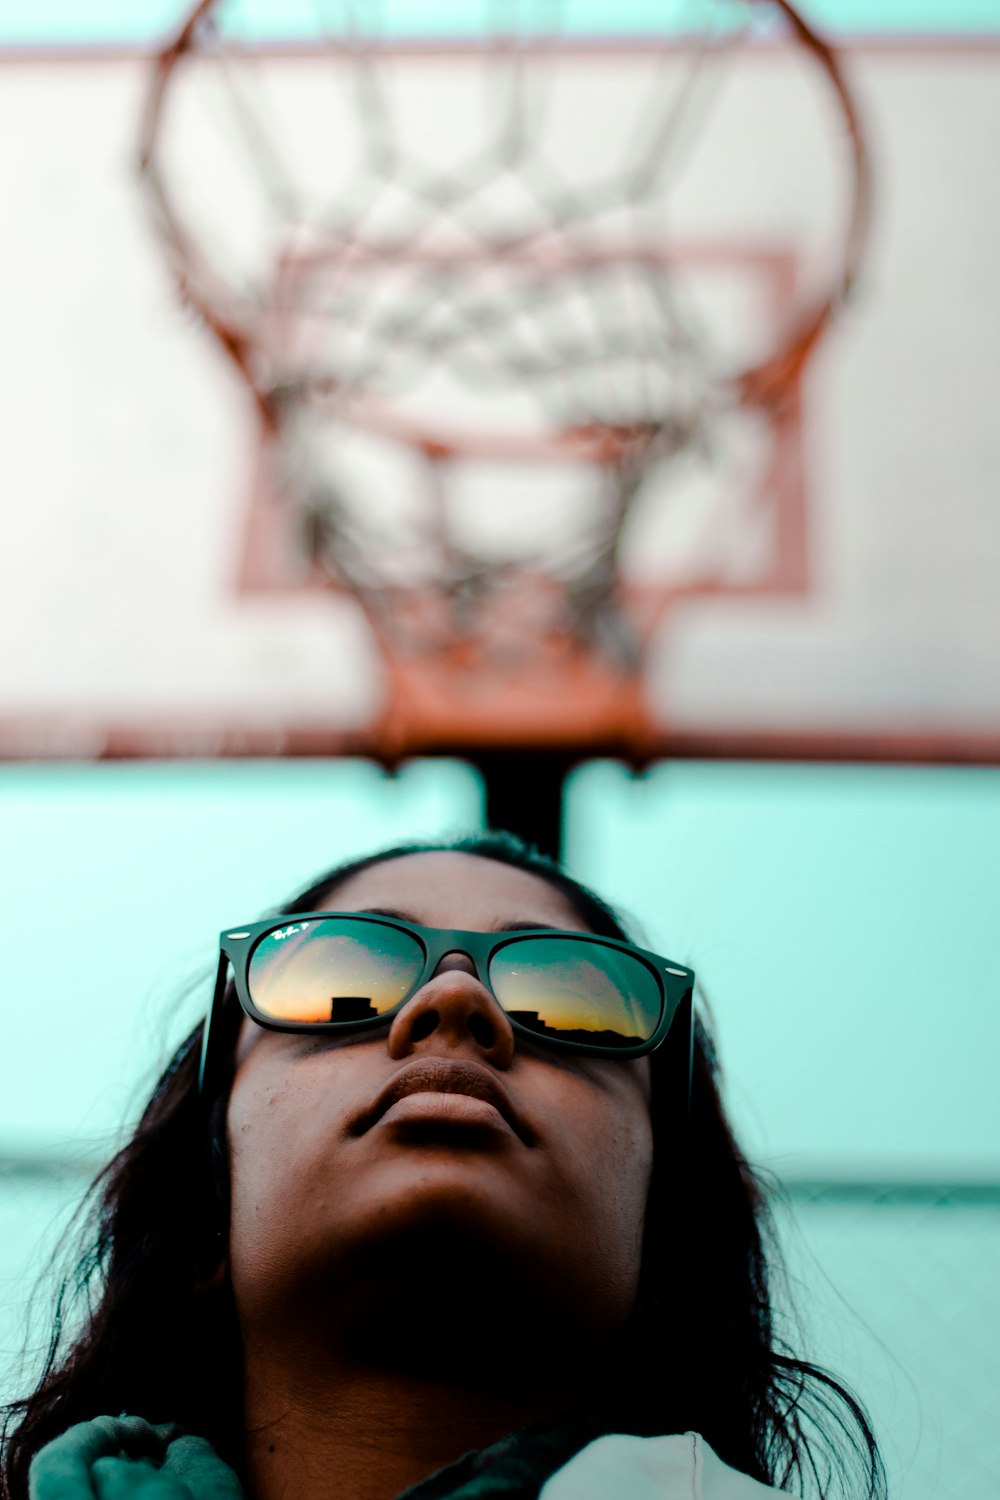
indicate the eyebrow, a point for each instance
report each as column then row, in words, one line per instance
column 402, row 916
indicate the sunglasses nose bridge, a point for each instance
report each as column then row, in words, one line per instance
column 459, row 959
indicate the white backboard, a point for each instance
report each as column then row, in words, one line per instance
column 861, row 616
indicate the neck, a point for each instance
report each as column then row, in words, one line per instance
column 363, row 1417
column 368, row 1436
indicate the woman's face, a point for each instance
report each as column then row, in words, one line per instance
column 443, row 1136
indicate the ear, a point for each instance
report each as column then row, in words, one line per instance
column 211, row 1270
column 204, row 1283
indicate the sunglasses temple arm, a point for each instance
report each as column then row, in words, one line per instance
column 687, row 1021
column 210, row 1024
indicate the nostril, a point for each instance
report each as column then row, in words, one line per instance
column 482, row 1029
column 425, row 1023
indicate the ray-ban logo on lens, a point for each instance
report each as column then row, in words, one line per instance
column 285, row 932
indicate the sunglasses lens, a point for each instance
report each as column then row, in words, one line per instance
column 333, row 969
column 577, row 991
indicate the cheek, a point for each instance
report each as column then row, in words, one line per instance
column 626, row 1164
column 282, row 1173
column 609, row 1139
column 255, row 1172
column 614, row 1126
column 286, row 1118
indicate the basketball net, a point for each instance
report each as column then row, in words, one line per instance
column 472, row 312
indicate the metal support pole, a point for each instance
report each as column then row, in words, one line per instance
column 525, row 791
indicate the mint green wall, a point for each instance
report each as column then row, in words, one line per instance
column 845, row 922
column 130, row 21
column 843, row 919
column 115, row 881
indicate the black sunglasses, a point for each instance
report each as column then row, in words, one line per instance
column 341, row 972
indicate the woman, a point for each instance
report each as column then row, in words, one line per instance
column 427, row 1243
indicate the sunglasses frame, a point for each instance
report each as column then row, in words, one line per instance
column 237, row 947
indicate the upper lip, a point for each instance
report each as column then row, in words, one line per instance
column 443, row 1075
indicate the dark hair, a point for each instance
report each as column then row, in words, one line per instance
column 702, row 1352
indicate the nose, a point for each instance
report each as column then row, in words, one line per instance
column 454, row 1011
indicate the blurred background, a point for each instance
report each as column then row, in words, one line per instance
column 812, row 818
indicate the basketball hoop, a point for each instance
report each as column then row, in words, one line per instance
column 467, row 311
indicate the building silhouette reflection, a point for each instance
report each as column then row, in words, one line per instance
column 352, row 1008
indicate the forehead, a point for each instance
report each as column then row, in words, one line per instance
column 455, row 890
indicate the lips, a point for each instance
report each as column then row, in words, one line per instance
column 441, row 1075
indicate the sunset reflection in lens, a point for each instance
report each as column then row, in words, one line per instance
column 333, row 969
column 577, row 990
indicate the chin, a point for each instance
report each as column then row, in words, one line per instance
column 439, row 1201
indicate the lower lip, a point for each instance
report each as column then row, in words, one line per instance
column 447, row 1109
